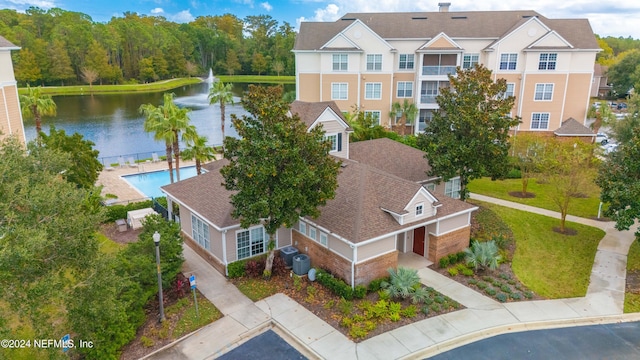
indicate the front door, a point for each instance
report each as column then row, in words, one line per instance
column 418, row 241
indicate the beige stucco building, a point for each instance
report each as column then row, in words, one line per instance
column 371, row 60
column 10, row 115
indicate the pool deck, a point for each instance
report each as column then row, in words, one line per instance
column 113, row 183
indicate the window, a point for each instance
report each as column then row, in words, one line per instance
column 312, row 232
column 334, row 141
column 374, row 114
column 340, row 62
column 419, row 209
column 406, row 62
column 469, row 60
column 373, row 91
column 539, row 121
column 508, row 61
column 452, row 188
column 339, row 91
column 323, row 238
column 200, row 232
column 547, row 61
column 374, row 62
column 302, row 227
column 405, row 89
column 510, row 90
column 544, row 92
column 250, row 242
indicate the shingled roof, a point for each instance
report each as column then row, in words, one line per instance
column 426, row 25
column 392, row 157
column 4, row 43
column 309, row 112
column 356, row 213
column 571, row 127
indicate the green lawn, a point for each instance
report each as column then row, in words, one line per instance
column 257, row 79
column 582, row 207
column 550, row 264
column 109, row 89
column 632, row 301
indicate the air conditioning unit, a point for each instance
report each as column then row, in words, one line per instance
column 301, row 264
column 287, row 253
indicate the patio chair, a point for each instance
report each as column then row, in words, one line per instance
column 122, row 162
column 154, row 157
column 132, row 163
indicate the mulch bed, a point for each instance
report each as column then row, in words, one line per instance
column 519, row 194
column 110, row 230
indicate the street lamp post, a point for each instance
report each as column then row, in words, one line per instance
column 156, row 240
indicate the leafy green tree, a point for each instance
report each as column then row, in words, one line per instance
column 168, row 122
column 365, row 126
column 222, row 95
column 60, row 68
column 27, row 69
column 278, row 67
column 258, row 63
column 625, row 73
column 35, row 105
column 232, row 64
column 527, row 154
column 278, row 170
column 569, row 168
column 85, row 167
column 46, row 235
column 147, row 72
column 468, row 136
column 198, row 149
column 98, row 61
column 407, row 111
column 619, row 181
column 622, row 130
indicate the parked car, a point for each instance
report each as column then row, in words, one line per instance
column 609, row 148
column 622, row 106
column 602, row 138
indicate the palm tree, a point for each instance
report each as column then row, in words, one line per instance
column 197, row 149
column 407, row 111
column 35, row 105
column 222, row 95
column 167, row 121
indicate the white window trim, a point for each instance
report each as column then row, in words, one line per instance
column 472, row 63
column 346, row 91
column 372, row 112
column 547, row 62
column 203, row 239
column 265, row 240
column 452, row 190
column 373, row 85
column 373, row 62
column 339, row 62
column 419, row 209
column 326, row 239
column 413, row 61
column 405, row 89
column 539, row 128
column 302, row 227
column 313, row 233
column 509, row 56
column 334, row 144
column 545, row 90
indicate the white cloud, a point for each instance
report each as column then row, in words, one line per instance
column 157, row 11
column 183, row 16
column 266, row 6
column 24, row 4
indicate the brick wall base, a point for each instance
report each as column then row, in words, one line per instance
column 449, row 243
column 206, row 255
column 321, row 257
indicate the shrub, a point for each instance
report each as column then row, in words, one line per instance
column 374, row 285
column 514, row 173
column 329, row 304
column 337, row 286
column 254, row 267
column 506, row 288
column 345, row 306
column 369, row 325
column 346, row 322
column 528, row 294
column 435, row 307
column 236, row 269
column 473, row 281
column 358, row 331
column 380, row 309
column 443, row 262
column 483, row 255
column 311, row 290
column 425, row 309
column 482, row 285
column 467, row 272
column 384, row 295
column 504, row 276
column 502, row 297
column 490, row 291
column 279, row 266
column 409, row 312
column 421, row 294
column 360, row 291
column 395, row 307
column 515, row 296
column 439, row 299
column 394, row 317
column 402, row 282
column 115, row 212
column 452, row 271
column 146, row 342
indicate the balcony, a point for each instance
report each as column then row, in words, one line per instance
column 428, row 99
column 438, row 70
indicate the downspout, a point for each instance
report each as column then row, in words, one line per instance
column 353, row 266
column 224, row 252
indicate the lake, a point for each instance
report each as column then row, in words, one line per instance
column 113, row 122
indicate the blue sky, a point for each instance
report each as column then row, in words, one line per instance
column 607, row 17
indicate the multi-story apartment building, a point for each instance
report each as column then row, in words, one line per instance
column 371, row 60
column 10, row 115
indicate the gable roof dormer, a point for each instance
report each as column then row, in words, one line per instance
column 551, row 40
column 352, row 35
column 439, row 43
column 532, row 27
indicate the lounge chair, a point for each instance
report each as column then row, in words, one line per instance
column 132, row 163
column 154, row 157
column 122, row 162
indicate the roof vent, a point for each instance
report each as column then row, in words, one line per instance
column 348, row 19
column 419, row 18
column 458, row 17
column 444, row 7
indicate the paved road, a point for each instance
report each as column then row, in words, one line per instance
column 612, row 341
column 265, row 346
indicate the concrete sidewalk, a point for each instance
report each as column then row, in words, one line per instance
column 482, row 318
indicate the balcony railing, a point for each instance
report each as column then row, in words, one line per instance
column 428, row 99
column 438, row 70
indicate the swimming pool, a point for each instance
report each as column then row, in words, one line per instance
column 149, row 183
